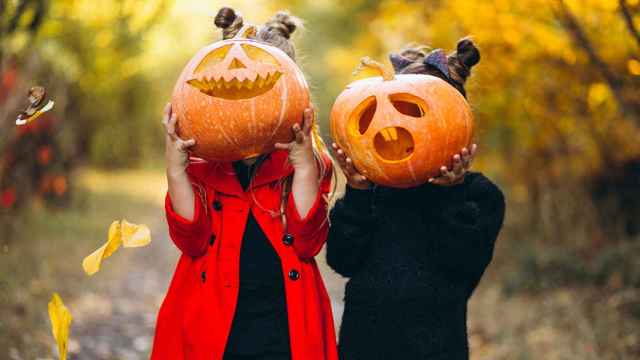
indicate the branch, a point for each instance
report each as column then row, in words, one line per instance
column 581, row 40
column 628, row 19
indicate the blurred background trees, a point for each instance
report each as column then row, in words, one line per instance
column 556, row 97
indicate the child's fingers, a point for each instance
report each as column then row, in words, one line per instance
column 283, row 146
column 474, row 148
column 447, row 174
column 466, row 156
column 171, row 126
column 341, row 158
column 166, row 114
column 457, row 165
column 472, row 155
column 188, row 143
column 307, row 121
column 297, row 132
column 361, row 179
column 350, row 168
column 439, row 181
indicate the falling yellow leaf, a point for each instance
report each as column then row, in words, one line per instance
column 60, row 323
column 120, row 233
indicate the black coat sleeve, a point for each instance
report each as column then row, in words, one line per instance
column 466, row 225
column 350, row 233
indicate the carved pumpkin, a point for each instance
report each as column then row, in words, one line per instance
column 400, row 129
column 239, row 97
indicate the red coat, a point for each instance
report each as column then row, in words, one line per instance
column 195, row 318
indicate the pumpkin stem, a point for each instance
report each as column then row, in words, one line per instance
column 368, row 63
column 246, row 32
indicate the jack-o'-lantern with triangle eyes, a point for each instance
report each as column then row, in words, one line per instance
column 400, row 129
column 238, row 98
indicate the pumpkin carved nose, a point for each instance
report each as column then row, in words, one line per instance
column 236, row 64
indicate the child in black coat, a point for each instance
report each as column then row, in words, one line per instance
column 414, row 256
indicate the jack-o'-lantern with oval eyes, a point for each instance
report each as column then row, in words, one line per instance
column 400, row 129
column 238, row 97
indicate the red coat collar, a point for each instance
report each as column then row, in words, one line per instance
column 222, row 177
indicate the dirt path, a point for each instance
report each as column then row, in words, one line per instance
column 115, row 310
column 117, row 319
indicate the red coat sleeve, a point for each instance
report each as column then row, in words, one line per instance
column 310, row 232
column 189, row 236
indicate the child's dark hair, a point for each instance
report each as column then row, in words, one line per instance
column 454, row 68
column 275, row 32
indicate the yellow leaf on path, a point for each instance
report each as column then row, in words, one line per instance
column 60, row 323
column 120, row 233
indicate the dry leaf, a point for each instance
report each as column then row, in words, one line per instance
column 120, row 233
column 60, row 323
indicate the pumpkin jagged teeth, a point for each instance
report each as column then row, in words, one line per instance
column 393, row 132
column 385, row 134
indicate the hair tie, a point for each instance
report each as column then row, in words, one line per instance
column 438, row 59
column 399, row 62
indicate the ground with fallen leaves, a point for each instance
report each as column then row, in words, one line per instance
column 114, row 311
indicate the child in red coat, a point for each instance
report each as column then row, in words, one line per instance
column 246, row 285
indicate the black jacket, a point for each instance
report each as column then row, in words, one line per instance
column 414, row 257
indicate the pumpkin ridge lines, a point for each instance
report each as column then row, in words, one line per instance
column 411, row 171
column 253, row 125
column 284, row 100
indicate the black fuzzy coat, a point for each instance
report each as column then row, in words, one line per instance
column 414, row 257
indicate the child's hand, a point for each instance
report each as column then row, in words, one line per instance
column 461, row 164
column 176, row 149
column 355, row 179
column 301, row 148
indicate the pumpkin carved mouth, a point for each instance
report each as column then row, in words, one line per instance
column 237, row 87
column 394, row 144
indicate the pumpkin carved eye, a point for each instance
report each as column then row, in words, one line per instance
column 259, row 55
column 408, row 104
column 213, row 58
column 363, row 115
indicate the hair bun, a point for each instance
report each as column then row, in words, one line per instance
column 229, row 21
column 225, row 17
column 467, row 52
column 285, row 23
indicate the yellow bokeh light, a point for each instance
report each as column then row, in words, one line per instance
column 634, row 67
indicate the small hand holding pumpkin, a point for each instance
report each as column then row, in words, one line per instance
column 301, row 148
column 461, row 164
column 176, row 149
column 354, row 178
